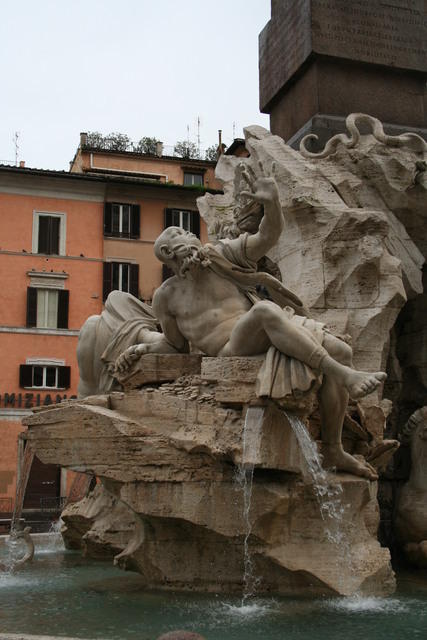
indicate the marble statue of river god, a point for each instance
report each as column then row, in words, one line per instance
column 212, row 304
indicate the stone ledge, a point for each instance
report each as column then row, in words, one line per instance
column 231, row 369
column 156, row 367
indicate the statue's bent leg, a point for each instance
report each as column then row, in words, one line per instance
column 266, row 324
column 333, row 400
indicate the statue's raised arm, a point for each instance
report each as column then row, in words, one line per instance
column 263, row 189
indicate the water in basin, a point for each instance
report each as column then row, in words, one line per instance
column 61, row 593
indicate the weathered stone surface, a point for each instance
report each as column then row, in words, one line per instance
column 351, row 248
column 155, row 367
column 99, row 524
column 174, row 438
column 168, row 457
column 378, row 33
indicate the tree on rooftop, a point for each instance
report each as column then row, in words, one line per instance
column 186, row 149
column 211, row 153
column 117, row 141
column 147, row 145
column 95, row 139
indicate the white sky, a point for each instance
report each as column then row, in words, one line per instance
column 140, row 67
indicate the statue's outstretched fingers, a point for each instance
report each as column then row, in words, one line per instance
column 247, row 178
column 248, row 194
column 249, row 168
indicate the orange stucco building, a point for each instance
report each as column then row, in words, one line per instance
column 66, row 240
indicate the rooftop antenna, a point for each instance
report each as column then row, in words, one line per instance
column 234, row 130
column 188, row 133
column 220, row 147
column 15, row 140
column 198, row 134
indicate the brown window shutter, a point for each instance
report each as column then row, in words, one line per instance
column 134, row 279
column 54, row 235
column 195, row 223
column 106, row 280
column 44, row 233
column 63, row 300
column 135, row 221
column 168, row 218
column 64, row 377
column 25, row 375
column 48, row 240
column 108, row 218
column 31, row 307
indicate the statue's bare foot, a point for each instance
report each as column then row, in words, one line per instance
column 361, row 383
column 335, row 456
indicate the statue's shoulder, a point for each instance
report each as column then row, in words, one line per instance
column 165, row 290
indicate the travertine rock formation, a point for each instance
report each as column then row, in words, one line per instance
column 99, row 524
column 169, row 453
column 354, row 237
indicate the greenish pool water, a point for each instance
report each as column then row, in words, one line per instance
column 64, row 594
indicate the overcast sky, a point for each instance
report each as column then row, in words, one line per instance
column 140, row 67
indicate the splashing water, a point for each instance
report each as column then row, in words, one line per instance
column 328, row 495
column 15, row 549
column 244, row 478
column 51, row 542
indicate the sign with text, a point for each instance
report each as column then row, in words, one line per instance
column 28, row 400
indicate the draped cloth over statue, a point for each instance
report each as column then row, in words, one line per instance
column 280, row 375
column 119, row 327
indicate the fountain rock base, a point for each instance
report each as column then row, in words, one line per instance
column 166, row 455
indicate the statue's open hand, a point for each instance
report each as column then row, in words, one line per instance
column 128, row 357
column 262, row 188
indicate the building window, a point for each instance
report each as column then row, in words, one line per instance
column 188, row 220
column 121, row 220
column 47, row 308
column 121, row 276
column 193, row 179
column 44, row 376
column 49, row 233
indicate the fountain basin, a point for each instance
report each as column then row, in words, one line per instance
column 66, row 595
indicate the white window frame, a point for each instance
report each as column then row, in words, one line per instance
column 120, row 264
column 49, row 292
column 192, row 174
column 116, row 204
column 62, row 229
column 181, row 218
column 44, row 385
column 45, row 363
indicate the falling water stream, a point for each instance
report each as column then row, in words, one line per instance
column 244, row 478
column 329, row 495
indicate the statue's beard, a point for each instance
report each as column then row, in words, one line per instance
column 192, row 258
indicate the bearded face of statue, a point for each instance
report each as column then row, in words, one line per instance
column 181, row 249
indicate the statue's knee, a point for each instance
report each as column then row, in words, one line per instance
column 266, row 310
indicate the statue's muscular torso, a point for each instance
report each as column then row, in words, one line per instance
column 204, row 306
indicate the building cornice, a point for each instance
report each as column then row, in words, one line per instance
column 41, row 332
column 90, row 181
